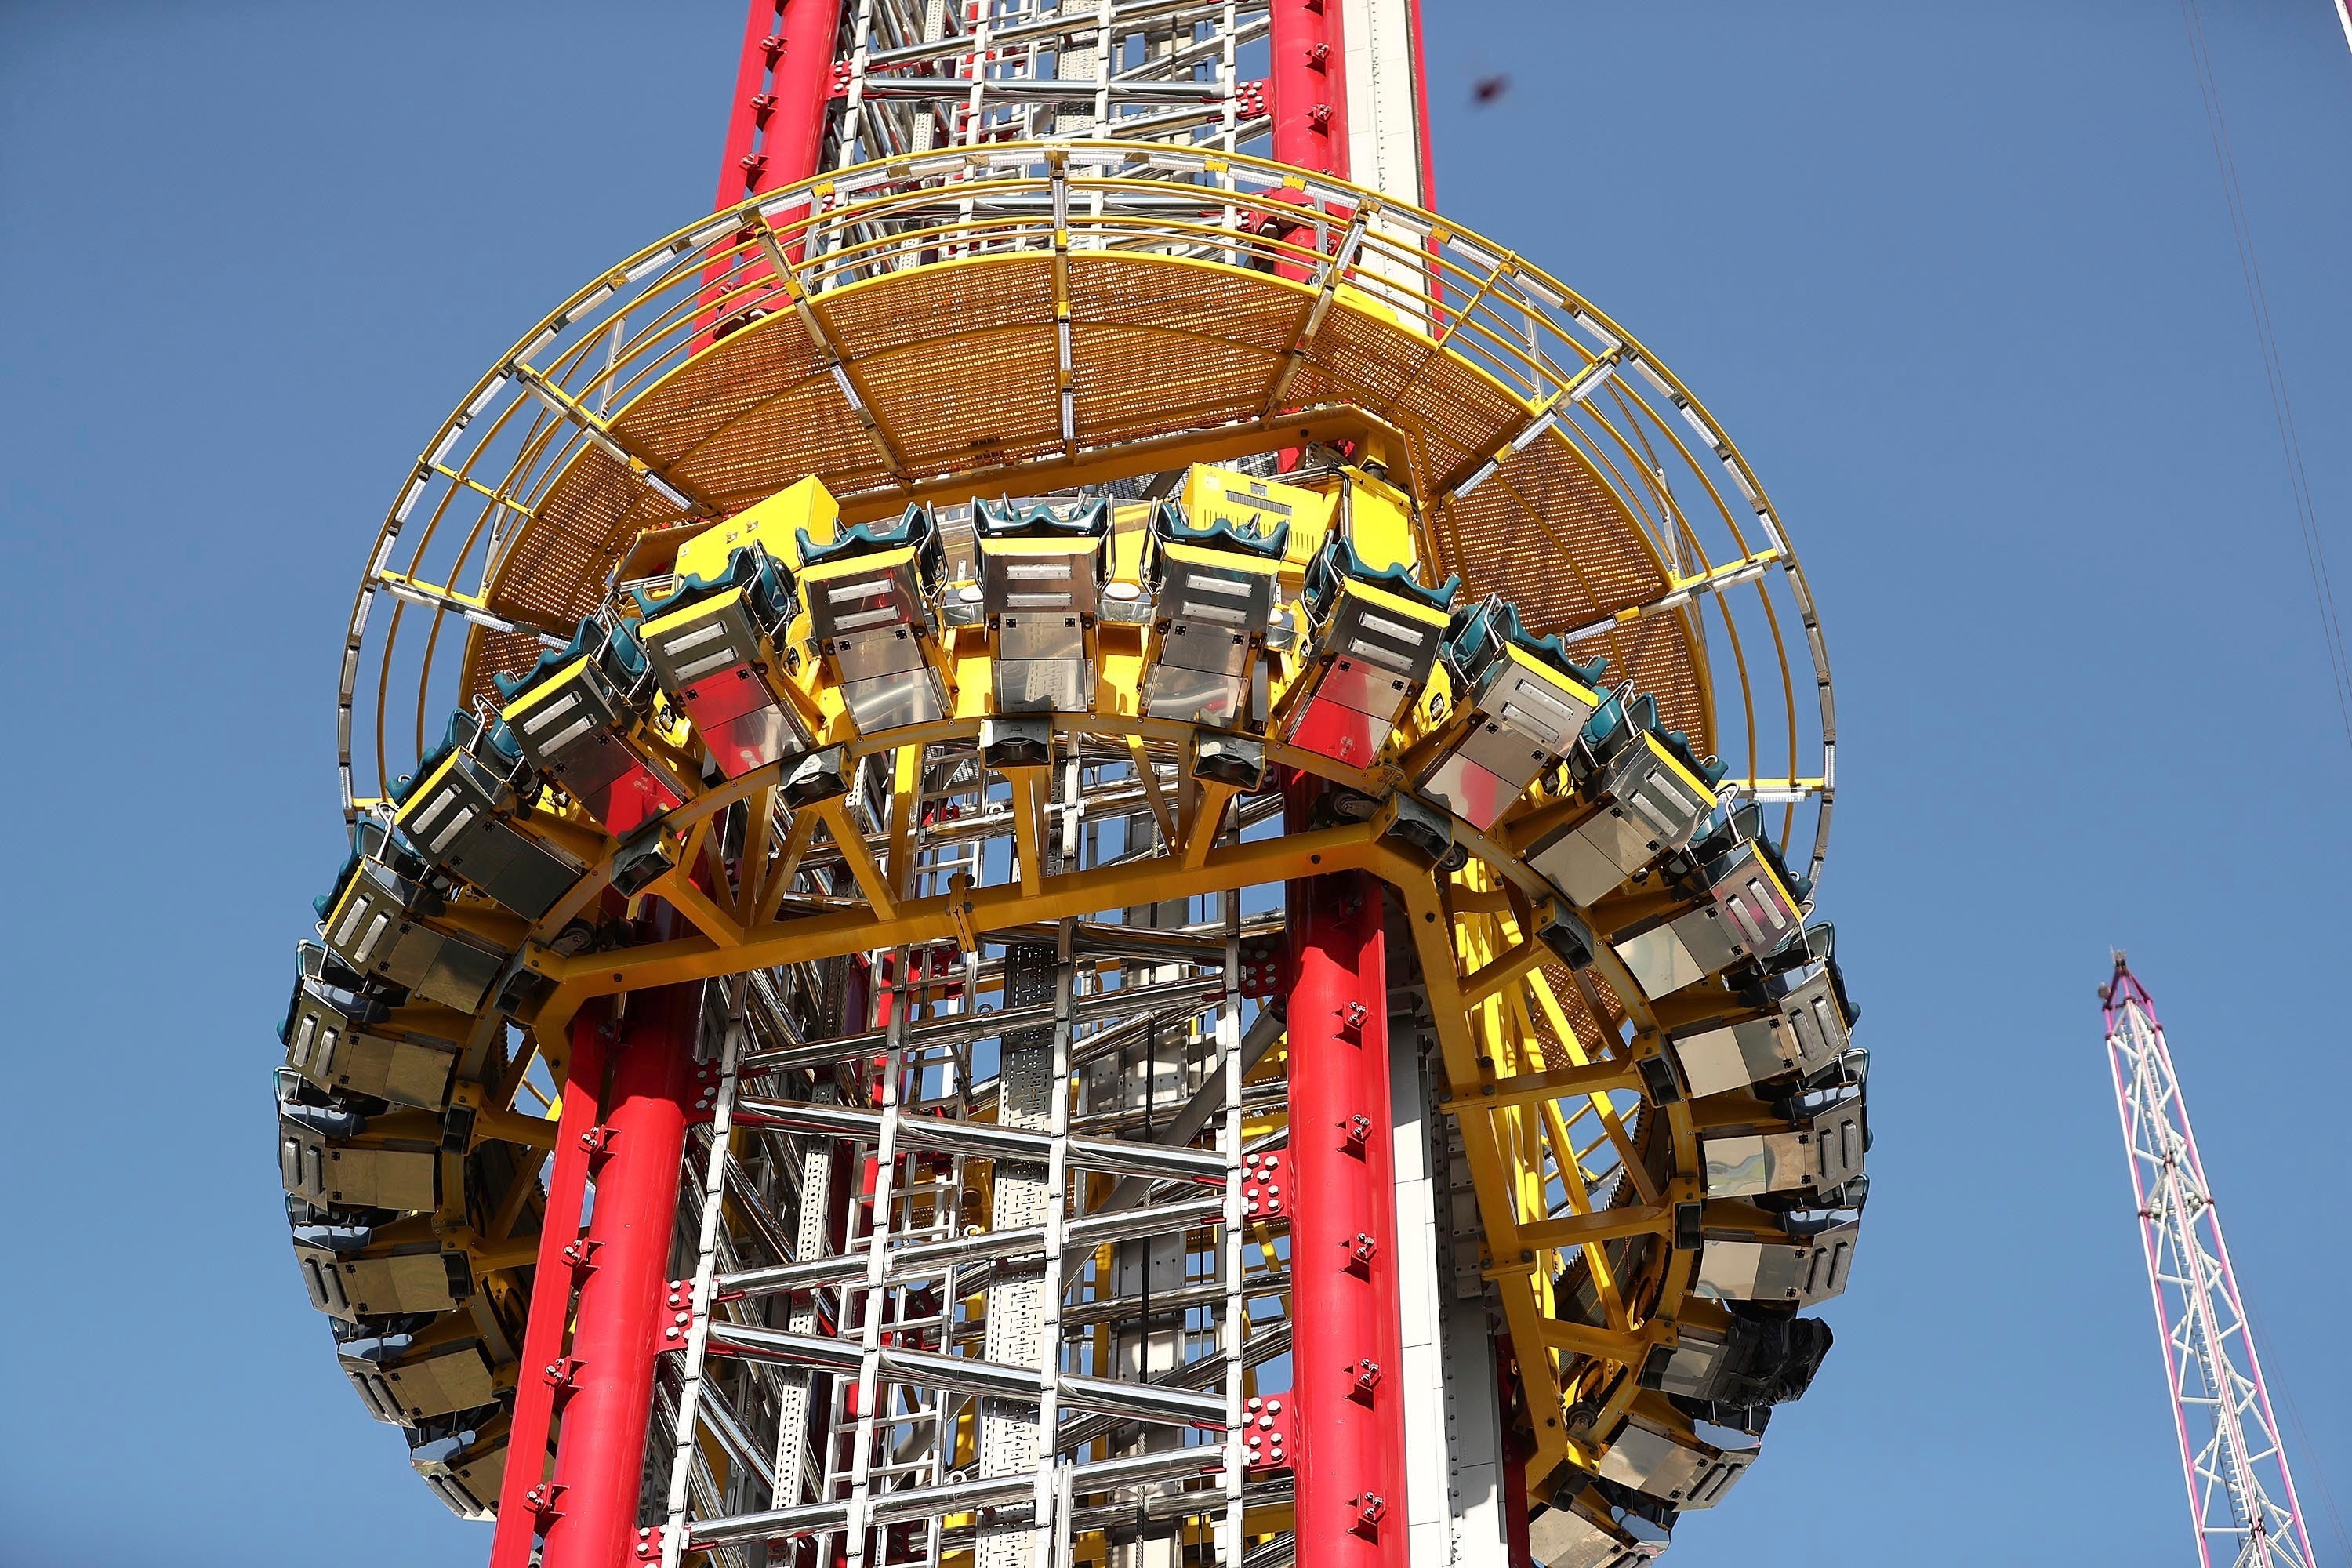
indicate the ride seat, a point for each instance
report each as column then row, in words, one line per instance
column 378, row 925
column 1688, row 1472
column 466, row 1470
column 1802, row 1269
column 339, row 1040
column 404, row 1383
column 1041, row 577
column 714, row 645
column 1213, row 607
column 1562, row 1537
column 575, row 716
column 1646, row 803
column 458, row 814
column 1749, row 912
column 1521, row 701
column 868, row 593
column 420, row 1277
column 1814, row 1157
column 323, row 1163
column 1377, row 636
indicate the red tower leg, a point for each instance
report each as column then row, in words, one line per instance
column 784, row 82
column 600, row 1459
column 522, row 1493
column 1349, row 1411
column 1308, row 88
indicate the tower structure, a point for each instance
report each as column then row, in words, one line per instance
column 1083, row 794
column 2242, row 1499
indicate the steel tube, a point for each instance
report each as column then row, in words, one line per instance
column 1308, row 91
column 783, row 136
column 914, row 1260
column 600, row 1456
column 1349, row 1442
column 987, row 1139
column 550, row 1299
column 1165, row 1403
column 814, row 1518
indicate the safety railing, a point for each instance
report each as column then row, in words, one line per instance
column 1718, row 555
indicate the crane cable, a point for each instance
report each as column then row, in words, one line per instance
column 2264, row 1344
column 2282, row 407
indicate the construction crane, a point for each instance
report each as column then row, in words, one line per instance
column 1069, row 755
column 2241, row 1492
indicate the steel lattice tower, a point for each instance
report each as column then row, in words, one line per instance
column 2241, row 1492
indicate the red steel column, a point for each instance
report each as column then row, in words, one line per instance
column 1347, row 1413
column 600, row 1461
column 550, row 1299
column 1308, row 89
column 775, row 125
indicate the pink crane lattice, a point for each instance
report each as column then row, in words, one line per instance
column 2240, row 1494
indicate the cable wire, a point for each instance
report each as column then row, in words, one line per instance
column 2315, row 551
column 2267, row 1346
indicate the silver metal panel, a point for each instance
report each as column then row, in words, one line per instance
column 890, row 701
column 1691, row 1368
column 1595, row 856
column 1192, row 696
column 330, row 1052
column 1642, row 781
column 1503, row 751
column 1811, row 1015
column 585, row 702
column 1207, row 646
column 1742, row 1164
column 456, row 971
column 884, row 650
column 424, row 1383
column 1424, row 1375
column 1682, row 951
column 1562, row 1537
column 750, row 740
column 1044, row 685
column 1345, row 734
column 1366, row 686
column 1371, row 634
column 1653, row 1461
column 1470, row 792
column 1028, row 636
column 328, row 1171
column 1543, row 713
column 1837, row 1144
column 701, row 642
column 1801, row 1272
column 466, row 1477
column 1014, row 570
column 378, row 1287
column 1757, row 913
column 1237, row 600
column 855, row 602
column 1816, row 1156
column 1732, row 1055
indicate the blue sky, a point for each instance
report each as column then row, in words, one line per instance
column 1958, row 279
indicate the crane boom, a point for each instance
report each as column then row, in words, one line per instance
column 2241, row 1492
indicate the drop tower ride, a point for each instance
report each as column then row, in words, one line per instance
column 1075, row 839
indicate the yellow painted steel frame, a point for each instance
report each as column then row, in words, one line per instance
column 604, row 441
column 1529, row 1058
